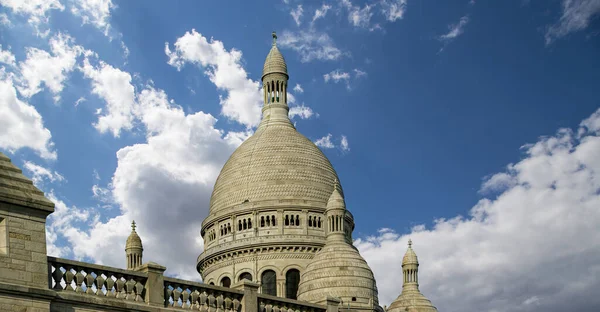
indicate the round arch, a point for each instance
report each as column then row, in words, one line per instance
column 219, row 281
column 268, row 282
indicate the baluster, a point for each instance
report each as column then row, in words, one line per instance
column 176, row 296
column 283, row 309
column 236, row 305
column 168, row 294
column 110, row 284
column 268, row 307
column 228, row 304
column 78, row 281
column 194, row 301
column 57, row 275
column 211, row 303
column 89, row 282
column 203, row 302
column 220, row 303
column 261, row 307
column 129, row 287
column 276, row 308
column 139, row 289
column 120, row 288
column 184, row 300
column 99, row 283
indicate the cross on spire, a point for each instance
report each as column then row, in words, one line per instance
column 409, row 243
column 274, row 38
column 133, row 226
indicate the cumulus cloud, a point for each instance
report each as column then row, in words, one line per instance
column 22, row 125
column 297, row 14
column 455, row 30
column 576, row 16
column 301, row 111
column 224, row 68
column 336, row 76
column 344, row 144
column 321, row 12
column 40, row 174
column 35, row 10
column 114, row 87
column 7, row 57
column 94, row 12
column 534, row 246
column 393, row 9
column 311, row 45
column 325, row 142
column 50, row 69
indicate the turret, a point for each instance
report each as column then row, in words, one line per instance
column 133, row 249
column 274, row 82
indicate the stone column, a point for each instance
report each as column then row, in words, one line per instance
column 250, row 299
column 155, row 293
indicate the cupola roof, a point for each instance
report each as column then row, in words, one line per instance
column 134, row 240
column 275, row 63
column 410, row 257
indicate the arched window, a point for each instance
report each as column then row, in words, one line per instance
column 310, row 224
column 287, row 220
column 262, row 221
column 297, row 220
column 268, row 221
column 240, row 225
column 292, row 279
column 245, row 275
column 221, row 230
column 228, row 228
column 319, row 222
column 273, row 220
column 226, row 282
column 268, row 282
column 292, row 220
column 249, row 223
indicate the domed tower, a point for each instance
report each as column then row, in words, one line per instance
column 338, row 270
column 133, row 249
column 411, row 298
column 267, row 210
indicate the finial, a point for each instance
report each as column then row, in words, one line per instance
column 133, row 226
column 409, row 243
column 274, row 39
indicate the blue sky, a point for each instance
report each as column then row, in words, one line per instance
column 446, row 122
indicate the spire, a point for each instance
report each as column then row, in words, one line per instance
column 274, row 84
column 133, row 249
column 336, row 213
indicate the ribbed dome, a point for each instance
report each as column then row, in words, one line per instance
column 134, row 240
column 410, row 257
column 411, row 300
column 338, row 270
column 275, row 63
column 275, row 164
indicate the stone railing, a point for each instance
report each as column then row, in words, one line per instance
column 96, row 280
column 201, row 297
column 268, row 303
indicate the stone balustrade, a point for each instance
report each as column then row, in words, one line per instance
column 267, row 303
column 201, row 297
column 95, row 280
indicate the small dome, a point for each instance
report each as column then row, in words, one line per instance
column 411, row 300
column 338, row 270
column 275, row 63
column 134, row 240
column 410, row 257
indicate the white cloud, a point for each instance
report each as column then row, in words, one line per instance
column 35, row 10
column 7, row 57
column 297, row 14
column 359, row 73
column 94, row 12
column 311, row 45
column 336, row 76
column 321, row 12
column 224, row 68
column 455, row 30
column 304, row 112
column 114, row 87
column 393, row 9
column 22, row 125
column 298, row 88
column 4, row 20
column 79, row 101
column 49, row 69
column 356, row 16
column 576, row 16
column 535, row 246
column 40, row 174
column 325, row 142
column 344, row 144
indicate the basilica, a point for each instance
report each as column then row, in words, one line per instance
column 278, row 238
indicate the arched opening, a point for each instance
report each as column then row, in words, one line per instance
column 297, row 220
column 240, row 225
column 226, row 282
column 273, row 220
column 319, row 223
column 310, row 224
column 245, row 275
column 292, row 279
column 269, row 283
column 245, row 225
column 211, row 283
column 249, row 223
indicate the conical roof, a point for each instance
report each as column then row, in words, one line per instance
column 410, row 257
column 17, row 189
column 275, row 63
